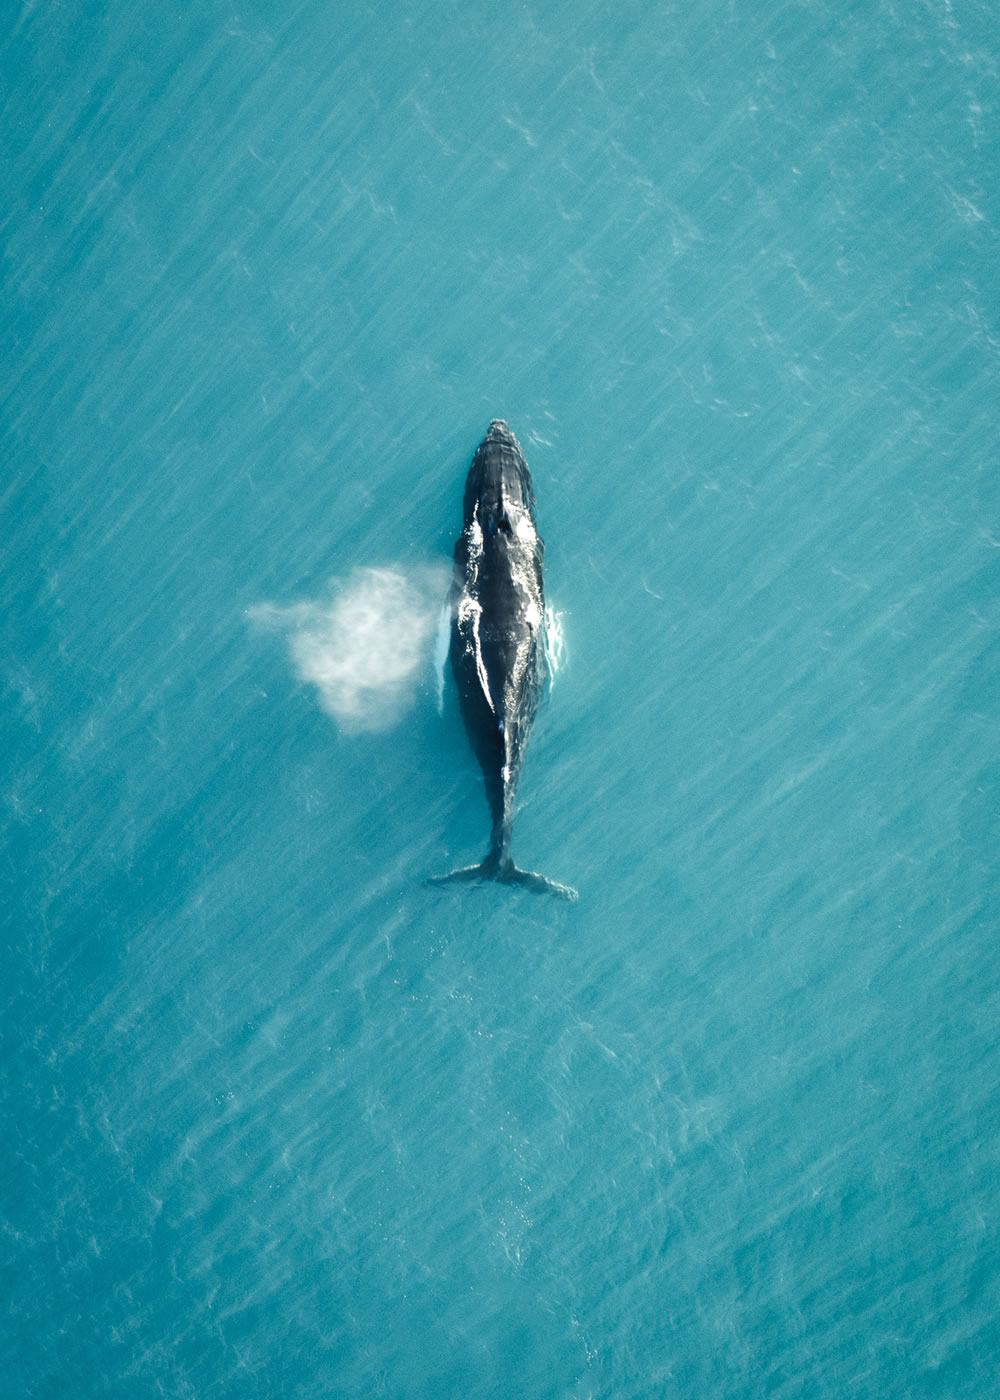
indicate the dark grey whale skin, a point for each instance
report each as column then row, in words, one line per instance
column 498, row 639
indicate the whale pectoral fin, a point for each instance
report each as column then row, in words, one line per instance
column 442, row 644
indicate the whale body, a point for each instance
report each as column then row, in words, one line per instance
column 498, row 653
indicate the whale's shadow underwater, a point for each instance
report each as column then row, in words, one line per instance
column 498, row 653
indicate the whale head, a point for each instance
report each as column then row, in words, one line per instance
column 499, row 494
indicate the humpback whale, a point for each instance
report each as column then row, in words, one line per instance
column 498, row 652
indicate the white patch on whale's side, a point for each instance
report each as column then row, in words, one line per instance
column 555, row 641
column 366, row 646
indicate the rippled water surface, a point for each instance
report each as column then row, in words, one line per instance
column 280, row 1120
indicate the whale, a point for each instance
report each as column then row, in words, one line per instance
column 498, row 652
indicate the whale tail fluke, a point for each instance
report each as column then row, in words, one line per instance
column 507, row 873
column 531, row 880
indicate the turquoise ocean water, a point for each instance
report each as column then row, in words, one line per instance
column 279, row 1120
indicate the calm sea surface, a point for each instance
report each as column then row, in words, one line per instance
column 280, row 1120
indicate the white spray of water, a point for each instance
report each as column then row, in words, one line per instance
column 365, row 648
